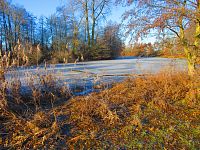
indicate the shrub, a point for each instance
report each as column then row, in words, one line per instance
column 61, row 56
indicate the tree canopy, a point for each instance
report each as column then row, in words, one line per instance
column 172, row 17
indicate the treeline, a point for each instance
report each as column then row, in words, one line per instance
column 73, row 32
column 165, row 46
column 140, row 49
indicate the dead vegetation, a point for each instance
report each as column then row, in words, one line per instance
column 152, row 112
column 24, row 116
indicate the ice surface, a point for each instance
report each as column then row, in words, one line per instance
column 88, row 74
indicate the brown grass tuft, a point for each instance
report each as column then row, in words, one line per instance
column 151, row 112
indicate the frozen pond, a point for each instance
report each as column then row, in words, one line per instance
column 88, row 74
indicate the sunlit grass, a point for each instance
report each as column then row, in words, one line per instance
column 149, row 112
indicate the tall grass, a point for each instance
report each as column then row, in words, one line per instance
column 158, row 111
column 24, row 116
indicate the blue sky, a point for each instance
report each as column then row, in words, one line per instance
column 48, row 7
column 39, row 7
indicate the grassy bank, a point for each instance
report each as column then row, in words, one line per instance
column 153, row 112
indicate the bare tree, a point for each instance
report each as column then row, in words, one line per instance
column 172, row 16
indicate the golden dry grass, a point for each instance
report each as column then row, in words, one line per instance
column 152, row 112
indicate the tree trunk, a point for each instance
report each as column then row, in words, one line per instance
column 190, row 60
column 1, row 41
column 42, row 32
column 15, row 40
column 87, row 22
column 197, row 33
column 93, row 21
column 19, row 32
column 85, row 36
column 5, row 31
column 52, row 37
column 189, row 52
column 10, row 36
column 192, row 54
